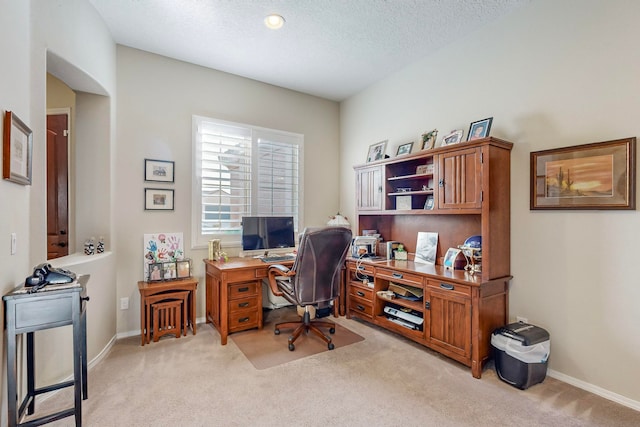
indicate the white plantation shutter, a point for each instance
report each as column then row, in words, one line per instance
column 241, row 170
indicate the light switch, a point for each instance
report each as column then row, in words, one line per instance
column 14, row 243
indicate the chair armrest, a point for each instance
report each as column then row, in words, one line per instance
column 276, row 270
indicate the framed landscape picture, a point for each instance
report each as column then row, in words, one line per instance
column 600, row 175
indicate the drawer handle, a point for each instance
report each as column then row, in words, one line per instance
column 245, row 289
column 243, row 304
column 243, row 320
column 360, row 267
column 359, row 307
column 360, row 293
column 397, row 275
column 447, row 286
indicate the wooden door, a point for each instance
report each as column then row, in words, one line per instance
column 460, row 179
column 369, row 188
column 57, row 186
column 449, row 321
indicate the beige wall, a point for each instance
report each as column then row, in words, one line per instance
column 157, row 97
column 552, row 74
column 32, row 33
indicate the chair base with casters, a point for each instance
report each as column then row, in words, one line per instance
column 313, row 281
column 306, row 325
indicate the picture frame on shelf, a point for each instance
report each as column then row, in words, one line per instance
column 429, row 139
column 600, row 175
column 429, row 203
column 159, row 170
column 453, row 138
column 158, row 199
column 169, row 270
column 17, row 150
column 184, row 268
column 377, row 151
column 479, row 129
column 424, row 169
column 155, row 272
column 450, row 258
column 404, row 148
column 426, row 247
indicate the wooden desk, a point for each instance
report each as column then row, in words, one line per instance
column 25, row 313
column 150, row 289
column 234, row 294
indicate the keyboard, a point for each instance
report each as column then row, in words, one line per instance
column 276, row 258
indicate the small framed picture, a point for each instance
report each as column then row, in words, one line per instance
column 17, row 150
column 429, row 139
column 158, row 199
column 169, row 270
column 405, row 148
column 158, row 170
column 155, row 272
column 453, row 138
column 428, row 205
column 184, row 268
column 479, row 129
column 376, row 151
column 450, row 258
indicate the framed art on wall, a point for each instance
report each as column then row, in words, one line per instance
column 16, row 150
column 600, row 175
column 158, row 199
column 159, row 170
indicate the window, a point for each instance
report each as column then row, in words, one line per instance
column 242, row 170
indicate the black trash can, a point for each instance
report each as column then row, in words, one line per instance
column 521, row 352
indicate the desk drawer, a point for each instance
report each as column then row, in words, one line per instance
column 454, row 288
column 360, row 306
column 249, row 303
column 367, row 269
column 399, row 276
column 364, row 293
column 241, row 320
column 243, row 290
column 247, row 274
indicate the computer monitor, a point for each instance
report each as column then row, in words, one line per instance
column 267, row 233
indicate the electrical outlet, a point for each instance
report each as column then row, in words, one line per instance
column 522, row 319
column 124, row 303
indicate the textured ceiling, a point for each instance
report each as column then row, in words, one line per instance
column 328, row 48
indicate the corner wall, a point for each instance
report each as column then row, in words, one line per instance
column 157, row 97
column 551, row 74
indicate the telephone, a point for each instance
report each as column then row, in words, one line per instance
column 364, row 246
column 44, row 274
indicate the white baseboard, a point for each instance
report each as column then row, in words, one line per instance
column 625, row 401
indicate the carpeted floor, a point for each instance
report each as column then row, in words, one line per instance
column 264, row 349
column 383, row 380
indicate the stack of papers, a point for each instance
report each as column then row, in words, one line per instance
column 412, row 293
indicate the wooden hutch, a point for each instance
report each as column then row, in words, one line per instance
column 458, row 191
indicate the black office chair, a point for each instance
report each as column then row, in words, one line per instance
column 313, row 280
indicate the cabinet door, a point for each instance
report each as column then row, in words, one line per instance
column 369, row 188
column 449, row 321
column 460, row 179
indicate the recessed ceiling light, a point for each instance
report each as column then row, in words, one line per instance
column 274, row 22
